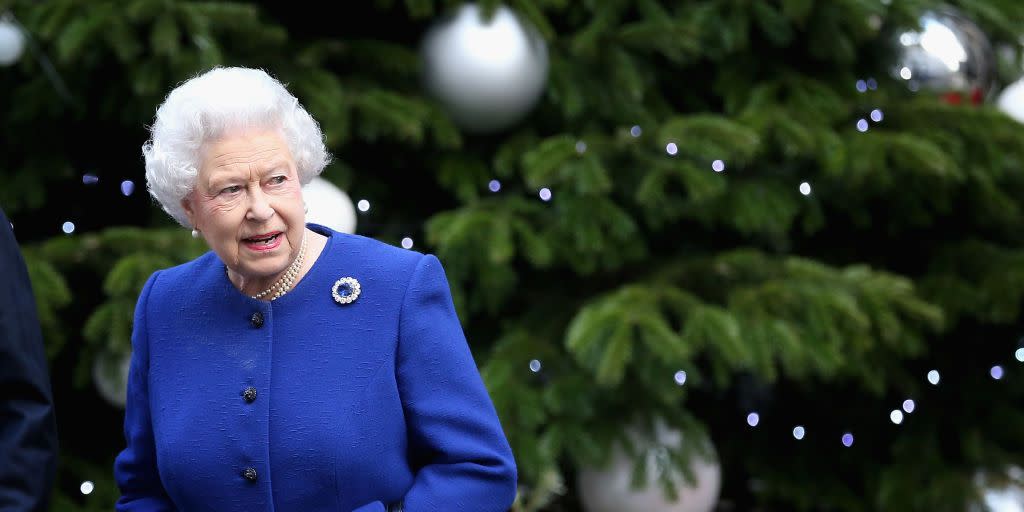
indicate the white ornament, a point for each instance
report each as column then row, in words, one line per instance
column 1003, row 494
column 12, row 42
column 1011, row 100
column 329, row 206
column 487, row 73
column 610, row 489
column 110, row 375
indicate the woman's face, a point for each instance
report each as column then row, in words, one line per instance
column 247, row 203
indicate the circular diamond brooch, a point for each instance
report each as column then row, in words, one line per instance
column 345, row 290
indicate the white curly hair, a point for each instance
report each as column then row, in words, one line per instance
column 209, row 106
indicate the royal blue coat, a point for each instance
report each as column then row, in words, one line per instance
column 305, row 404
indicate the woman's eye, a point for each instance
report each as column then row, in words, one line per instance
column 277, row 180
column 231, row 190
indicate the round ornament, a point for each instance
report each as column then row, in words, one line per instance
column 949, row 55
column 609, row 489
column 329, row 206
column 1011, row 100
column 110, row 375
column 12, row 41
column 488, row 73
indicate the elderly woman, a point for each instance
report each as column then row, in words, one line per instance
column 292, row 367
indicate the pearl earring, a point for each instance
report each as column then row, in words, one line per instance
column 305, row 207
column 195, row 233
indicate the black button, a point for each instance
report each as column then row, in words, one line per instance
column 257, row 319
column 249, row 474
column 249, row 394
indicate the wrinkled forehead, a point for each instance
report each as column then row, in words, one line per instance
column 259, row 151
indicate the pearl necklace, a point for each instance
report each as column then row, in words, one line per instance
column 283, row 285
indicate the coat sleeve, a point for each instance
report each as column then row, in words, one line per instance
column 456, row 444
column 135, row 468
column 28, row 429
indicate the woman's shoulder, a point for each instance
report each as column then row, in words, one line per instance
column 197, row 273
column 354, row 249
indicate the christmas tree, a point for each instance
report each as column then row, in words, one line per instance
column 747, row 223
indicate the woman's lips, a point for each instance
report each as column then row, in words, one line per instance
column 262, row 244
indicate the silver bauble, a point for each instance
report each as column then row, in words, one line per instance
column 949, row 56
column 110, row 375
column 609, row 489
column 487, row 73
column 12, row 42
column 329, row 206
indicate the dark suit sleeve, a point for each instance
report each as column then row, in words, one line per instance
column 135, row 468
column 28, row 428
column 454, row 431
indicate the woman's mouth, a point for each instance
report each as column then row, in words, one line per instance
column 263, row 242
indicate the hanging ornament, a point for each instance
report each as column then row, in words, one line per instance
column 610, row 489
column 1011, row 100
column 329, row 206
column 110, row 375
column 949, row 56
column 12, row 41
column 1001, row 493
column 487, row 73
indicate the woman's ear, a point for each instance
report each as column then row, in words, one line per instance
column 186, row 204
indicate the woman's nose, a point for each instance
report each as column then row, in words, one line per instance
column 259, row 206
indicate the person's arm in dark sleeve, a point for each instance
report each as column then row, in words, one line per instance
column 28, row 427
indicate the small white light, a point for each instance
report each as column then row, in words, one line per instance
column 68, row 227
column 671, row 148
column 127, row 187
column 90, row 179
column 364, row 205
column 407, row 243
column 534, row 366
column 635, row 130
column 933, row 377
column 862, row 125
column 753, row 419
column 798, row 432
column 805, row 188
column 680, row 377
column 87, row 487
column 494, row 186
column 872, row 84
column 905, row 73
column 1019, row 354
column 581, row 147
column 545, row 194
column 876, row 115
column 909, row 406
column 718, row 166
column 847, row 439
column 996, row 372
column 896, row 416
column 862, row 86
